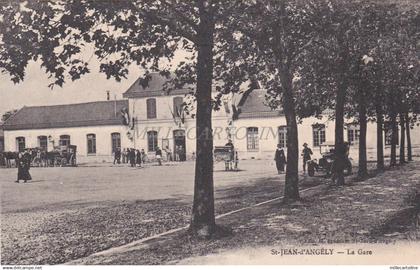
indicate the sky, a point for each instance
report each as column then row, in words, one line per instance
column 34, row 90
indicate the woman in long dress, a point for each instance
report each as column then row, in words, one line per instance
column 280, row 159
column 138, row 158
column 24, row 164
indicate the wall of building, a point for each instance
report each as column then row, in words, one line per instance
column 78, row 137
column 165, row 125
column 165, row 130
column 164, row 107
column 268, row 137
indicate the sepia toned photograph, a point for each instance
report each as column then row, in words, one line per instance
column 210, row 132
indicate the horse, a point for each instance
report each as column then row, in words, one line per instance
column 10, row 158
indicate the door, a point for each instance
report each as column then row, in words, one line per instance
column 179, row 145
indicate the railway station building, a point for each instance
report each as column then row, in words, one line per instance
column 149, row 117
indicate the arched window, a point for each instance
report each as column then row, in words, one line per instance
column 64, row 140
column 20, row 143
column 151, row 108
column 43, row 142
column 252, row 138
column 152, row 141
column 91, row 143
column 283, row 136
column 116, row 141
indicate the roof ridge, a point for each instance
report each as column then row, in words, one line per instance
column 72, row 104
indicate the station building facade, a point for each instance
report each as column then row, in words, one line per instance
column 96, row 128
column 149, row 117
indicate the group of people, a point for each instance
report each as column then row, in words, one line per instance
column 136, row 157
column 281, row 161
column 178, row 155
column 306, row 154
column 132, row 156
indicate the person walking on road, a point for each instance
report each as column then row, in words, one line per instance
column 24, row 164
column 168, row 154
column 280, row 159
column 138, row 158
column 117, row 155
column 159, row 155
column 124, row 155
column 132, row 157
column 143, row 156
column 306, row 154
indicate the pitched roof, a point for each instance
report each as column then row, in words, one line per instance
column 70, row 115
column 153, row 88
column 253, row 105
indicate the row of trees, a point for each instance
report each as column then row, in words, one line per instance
column 310, row 55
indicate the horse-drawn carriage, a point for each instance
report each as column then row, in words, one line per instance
column 228, row 155
column 64, row 155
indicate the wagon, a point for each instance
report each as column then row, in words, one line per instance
column 65, row 155
column 326, row 162
column 228, row 155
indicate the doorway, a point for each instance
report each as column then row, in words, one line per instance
column 179, row 145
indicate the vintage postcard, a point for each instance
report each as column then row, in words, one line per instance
column 206, row 132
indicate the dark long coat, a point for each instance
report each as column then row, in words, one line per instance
column 24, row 164
column 280, row 159
column 138, row 157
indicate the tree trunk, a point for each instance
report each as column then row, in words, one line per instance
column 394, row 139
column 203, row 220
column 402, row 138
column 380, row 166
column 407, row 130
column 362, row 172
column 339, row 136
column 340, row 100
column 291, row 187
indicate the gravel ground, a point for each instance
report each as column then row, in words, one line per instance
column 70, row 213
column 360, row 212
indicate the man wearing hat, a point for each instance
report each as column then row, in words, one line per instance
column 306, row 154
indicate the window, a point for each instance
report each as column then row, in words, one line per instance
column 178, row 104
column 252, row 138
column 64, row 140
column 20, row 144
column 91, row 144
column 151, row 108
column 353, row 134
column 283, row 136
column 318, row 133
column 43, row 142
column 115, row 141
column 152, row 141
